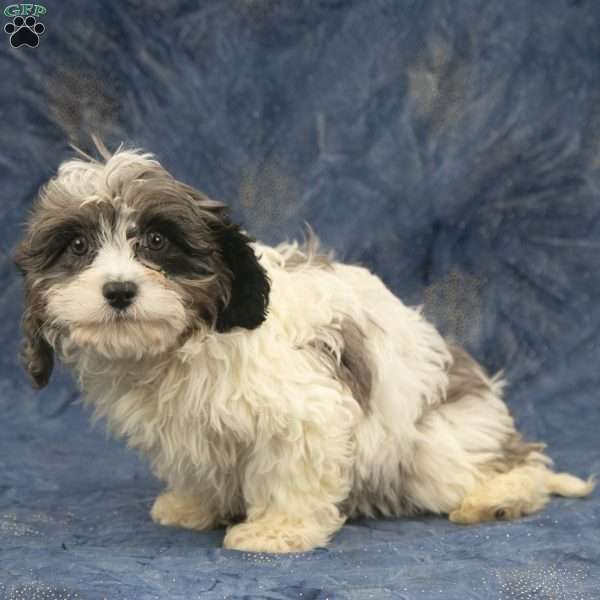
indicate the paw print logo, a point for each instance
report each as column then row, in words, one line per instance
column 24, row 31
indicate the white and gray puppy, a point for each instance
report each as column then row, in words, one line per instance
column 271, row 384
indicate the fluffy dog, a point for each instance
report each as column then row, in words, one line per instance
column 271, row 384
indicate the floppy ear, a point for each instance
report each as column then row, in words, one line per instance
column 37, row 355
column 250, row 286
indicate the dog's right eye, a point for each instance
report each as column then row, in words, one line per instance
column 79, row 246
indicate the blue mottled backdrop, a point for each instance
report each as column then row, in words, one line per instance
column 453, row 147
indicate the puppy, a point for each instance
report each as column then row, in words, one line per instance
column 267, row 383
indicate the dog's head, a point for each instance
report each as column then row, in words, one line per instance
column 121, row 257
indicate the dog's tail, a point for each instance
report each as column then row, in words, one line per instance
column 563, row 484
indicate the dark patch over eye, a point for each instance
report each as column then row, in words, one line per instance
column 158, row 232
column 54, row 226
column 63, row 245
column 166, row 245
column 77, row 252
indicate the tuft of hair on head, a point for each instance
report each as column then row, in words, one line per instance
column 101, row 148
column 104, row 152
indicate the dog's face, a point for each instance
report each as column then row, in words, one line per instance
column 123, row 258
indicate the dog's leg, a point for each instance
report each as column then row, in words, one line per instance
column 181, row 510
column 307, row 518
column 521, row 491
column 293, row 485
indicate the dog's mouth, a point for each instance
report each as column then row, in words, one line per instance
column 122, row 315
column 124, row 336
column 127, row 332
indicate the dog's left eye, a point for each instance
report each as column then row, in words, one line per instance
column 156, row 241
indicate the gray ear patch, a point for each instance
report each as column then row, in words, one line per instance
column 354, row 367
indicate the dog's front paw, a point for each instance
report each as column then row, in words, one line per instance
column 179, row 510
column 277, row 535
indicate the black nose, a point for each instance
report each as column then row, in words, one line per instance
column 119, row 294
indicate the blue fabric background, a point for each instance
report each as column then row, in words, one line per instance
column 453, row 147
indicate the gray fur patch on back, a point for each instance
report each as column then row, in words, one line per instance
column 465, row 376
column 353, row 366
column 515, row 452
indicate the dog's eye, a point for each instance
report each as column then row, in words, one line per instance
column 156, row 241
column 79, row 246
